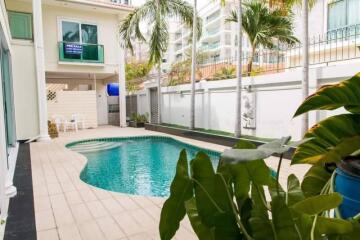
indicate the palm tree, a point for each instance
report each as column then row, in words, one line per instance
column 265, row 27
column 155, row 13
column 193, row 69
column 238, row 70
column 306, row 5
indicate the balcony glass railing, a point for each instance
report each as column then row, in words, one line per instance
column 81, row 52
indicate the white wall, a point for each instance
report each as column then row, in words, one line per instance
column 25, row 90
column 277, row 98
column 70, row 102
column 102, row 105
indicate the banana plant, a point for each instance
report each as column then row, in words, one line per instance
column 333, row 138
column 242, row 199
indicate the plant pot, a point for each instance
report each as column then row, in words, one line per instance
column 347, row 183
column 136, row 124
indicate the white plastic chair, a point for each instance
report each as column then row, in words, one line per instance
column 79, row 120
column 70, row 124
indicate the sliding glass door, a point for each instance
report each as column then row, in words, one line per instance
column 8, row 99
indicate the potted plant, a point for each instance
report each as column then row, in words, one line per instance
column 334, row 145
column 243, row 200
column 138, row 120
column 231, row 202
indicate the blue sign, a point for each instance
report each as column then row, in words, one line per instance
column 73, row 48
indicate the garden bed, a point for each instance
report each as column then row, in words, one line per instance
column 206, row 137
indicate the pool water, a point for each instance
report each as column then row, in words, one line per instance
column 134, row 165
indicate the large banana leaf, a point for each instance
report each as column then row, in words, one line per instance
column 343, row 94
column 318, row 204
column 202, row 231
column 213, row 199
column 204, row 186
column 294, row 193
column 315, row 180
column 260, row 224
column 282, row 219
column 181, row 190
column 330, row 140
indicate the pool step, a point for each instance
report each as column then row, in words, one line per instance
column 94, row 146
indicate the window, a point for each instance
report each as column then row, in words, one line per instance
column 343, row 13
column 80, row 41
column 20, row 25
column 71, row 32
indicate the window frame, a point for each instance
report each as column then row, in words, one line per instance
column 80, row 22
column 346, row 15
column 31, row 24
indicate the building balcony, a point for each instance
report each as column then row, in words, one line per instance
column 81, row 53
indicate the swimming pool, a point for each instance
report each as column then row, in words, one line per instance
column 135, row 165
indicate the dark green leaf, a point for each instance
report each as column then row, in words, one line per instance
column 226, row 228
column 343, row 94
column 202, row 231
column 181, row 190
column 244, row 144
column 331, row 226
column 204, row 175
column 330, row 140
column 294, row 193
column 315, row 180
column 318, row 204
column 282, row 220
column 260, row 224
column 244, row 173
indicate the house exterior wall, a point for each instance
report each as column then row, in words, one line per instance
column 277, row 97
column 25, row 81
column 107, row 36
column 70, row 102
column 25, row 89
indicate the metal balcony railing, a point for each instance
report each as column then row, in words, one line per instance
column 81, row 52
column 339, row 45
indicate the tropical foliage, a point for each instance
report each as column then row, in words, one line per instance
column 156, row 14
column 265, row 27
column 224, row 73
column 333, row 138
column 180, row 71
column 139, row 118
column 232, row 203
column 133, row 74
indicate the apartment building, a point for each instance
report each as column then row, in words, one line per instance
column 329, row 19
column 141, row 49
column 71, row 43
column 219, row 38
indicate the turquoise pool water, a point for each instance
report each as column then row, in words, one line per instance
column 134, row 165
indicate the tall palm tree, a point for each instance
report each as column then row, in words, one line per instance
column 193, row 69
column 265, row 27
column 305, row 62
column 306, row 5
column 239, row 73
column 156, row 14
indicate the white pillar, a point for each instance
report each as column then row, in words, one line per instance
column 40, row 70
column 122, row 85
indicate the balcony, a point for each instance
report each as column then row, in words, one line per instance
column 82, row 53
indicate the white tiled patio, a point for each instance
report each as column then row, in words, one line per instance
column 68, row 208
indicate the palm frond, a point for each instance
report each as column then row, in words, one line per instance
column 159, row 39
column 130, row 26
column 184, row 12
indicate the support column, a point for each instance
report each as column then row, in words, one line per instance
column 40, row 70
column 122, row 85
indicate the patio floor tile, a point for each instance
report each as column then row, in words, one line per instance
column 68, row 208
